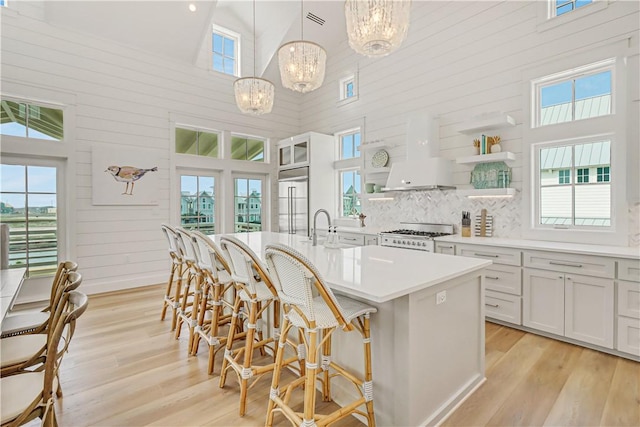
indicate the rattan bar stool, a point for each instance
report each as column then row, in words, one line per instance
column 36, row 321
column 191, row 287
column 318, row 317
column 172, row 295
column 254, row 294
column 217, row 298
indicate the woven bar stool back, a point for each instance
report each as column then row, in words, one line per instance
column 217, row 297
column 254, row 294
column 310, row 305
column 173, row 289
column 191, row 286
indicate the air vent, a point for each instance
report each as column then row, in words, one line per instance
column 316, row 19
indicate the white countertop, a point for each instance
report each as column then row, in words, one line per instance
column 10, row 283
column 375, row 273
column 542, row 245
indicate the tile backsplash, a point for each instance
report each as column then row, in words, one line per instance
column 446, row 206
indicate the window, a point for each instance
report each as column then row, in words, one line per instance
column 197, row 142
column 603, row 174
column 350, row 186
column 28, row 204
column 348, row 89
column 563, row 6
column 585, row 204
column 3, row 3
column 247, row 204
column 349, row 143
column 247, row 148
column 197, row 203
column 226, row 51
column 581, row 95
column 31, row 121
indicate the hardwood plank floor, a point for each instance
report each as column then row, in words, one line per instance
column 124, row 368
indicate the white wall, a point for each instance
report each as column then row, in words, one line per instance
column 462, row 59
column 122, row 98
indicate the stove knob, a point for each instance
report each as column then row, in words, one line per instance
column 413, row 243
column 404, row 242
column 394, row 240
column 424, row 243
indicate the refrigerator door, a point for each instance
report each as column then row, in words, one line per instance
column 293, row 201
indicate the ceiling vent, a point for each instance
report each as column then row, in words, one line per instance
column 316, row 19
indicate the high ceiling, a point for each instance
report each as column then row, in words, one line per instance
column 170, row 29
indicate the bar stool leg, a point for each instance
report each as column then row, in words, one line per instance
column 368, row 376
column 326, row 359
column 275, row 381
column 185, row 301
column 248, row 354
column 231, row 337
column 202, row 309
column 310, row 375
column 176, row 298
column 195, row 305
column 167, row 293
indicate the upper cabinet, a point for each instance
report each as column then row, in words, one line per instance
column 294, row 151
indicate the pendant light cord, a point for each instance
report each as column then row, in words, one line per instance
column 301, row 19
column 254, row 38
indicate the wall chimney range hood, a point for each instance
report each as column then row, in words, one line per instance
column 423, row 169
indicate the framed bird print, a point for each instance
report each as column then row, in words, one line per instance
column 124, row 176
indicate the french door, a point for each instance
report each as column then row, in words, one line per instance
column 198, row 204
column 248, row 203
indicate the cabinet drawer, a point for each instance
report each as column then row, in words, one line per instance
column 370, row 240
column 629, row 299
column 629, row 269
column 351, row 239
column 504, row 278
column 503, row 307
column 445, row 248
column 567, row 263
column 506, row 256
column 629, row 336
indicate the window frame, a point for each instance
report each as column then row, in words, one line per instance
column 341, row 195
column 341, row 135
column 225, row 32
column 547, row 19
column 198, row 129
column 265, row 147
column 343, row 82
column 197, row 172
column 613, row 126
column 264, row 202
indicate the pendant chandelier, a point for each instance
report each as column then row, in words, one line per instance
column 253, row 94
column 376, row 27
column 302, row 63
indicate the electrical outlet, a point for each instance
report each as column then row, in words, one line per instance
column 441, row 297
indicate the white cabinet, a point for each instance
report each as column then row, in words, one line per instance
column 371, row 239
column 357, row 239
column 501, row 306
column 577, row 306
column 294, row 151
column 445, row 248
column 628, row 331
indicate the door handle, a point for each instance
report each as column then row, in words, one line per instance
column 492, row 277
column 487, row 255
column 492, row 305
column 566, row 264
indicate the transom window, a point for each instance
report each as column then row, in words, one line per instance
column 574, row 95
column 31, row 121
column 563, row 6
column 247, row 148
column 581, row 203
column 197, row 142
column 225, row 48
column 349, row 143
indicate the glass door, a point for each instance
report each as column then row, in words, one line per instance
column 198, row 202
column 247, row 204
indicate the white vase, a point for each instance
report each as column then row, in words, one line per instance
column 496, row 148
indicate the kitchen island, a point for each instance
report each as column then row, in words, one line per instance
column 428, row 355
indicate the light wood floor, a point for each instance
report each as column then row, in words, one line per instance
column 124, row 368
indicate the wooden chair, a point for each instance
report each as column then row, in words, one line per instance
column 191, row 287
column 172, row 295
column 35, row 321
column 254, row 294
column 310, row 306
column 21, row 353
column 216, row 290
column 30, row 395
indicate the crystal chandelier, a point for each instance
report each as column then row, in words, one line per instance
column 302, row 63
column 253, row 94
column 376, row 27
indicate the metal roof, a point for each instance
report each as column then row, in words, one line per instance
column 591, row 154
column 585, row 108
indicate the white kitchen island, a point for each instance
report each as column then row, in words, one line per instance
column 427, row 357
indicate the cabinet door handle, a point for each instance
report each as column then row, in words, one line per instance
column 350, row 239
column 492, row 277
column 566, row 264
column 445, row 247
column 487, row 255
column 492, row 305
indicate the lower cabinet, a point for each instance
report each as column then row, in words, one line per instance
column 357, row 239
column 572, row 305
column 628, row 317
column 501, row 306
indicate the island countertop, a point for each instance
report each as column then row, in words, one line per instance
column 375, row 273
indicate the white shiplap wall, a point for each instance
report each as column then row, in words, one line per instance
column 462, row 59
column 123, row 98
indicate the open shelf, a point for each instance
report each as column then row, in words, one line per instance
column 369, row 171
column 504, row 156
column 488, row 192
column 494, row 121
column 372, row 145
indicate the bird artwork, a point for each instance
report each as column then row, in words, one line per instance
column 129, row 175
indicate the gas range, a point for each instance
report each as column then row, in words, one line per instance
column 415, row 235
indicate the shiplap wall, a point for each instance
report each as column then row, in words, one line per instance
column 462, row 59
column 124, row 98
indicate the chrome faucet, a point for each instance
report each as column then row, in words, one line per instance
column 315, row 217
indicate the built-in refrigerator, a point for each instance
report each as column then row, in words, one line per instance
column 293, row 201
